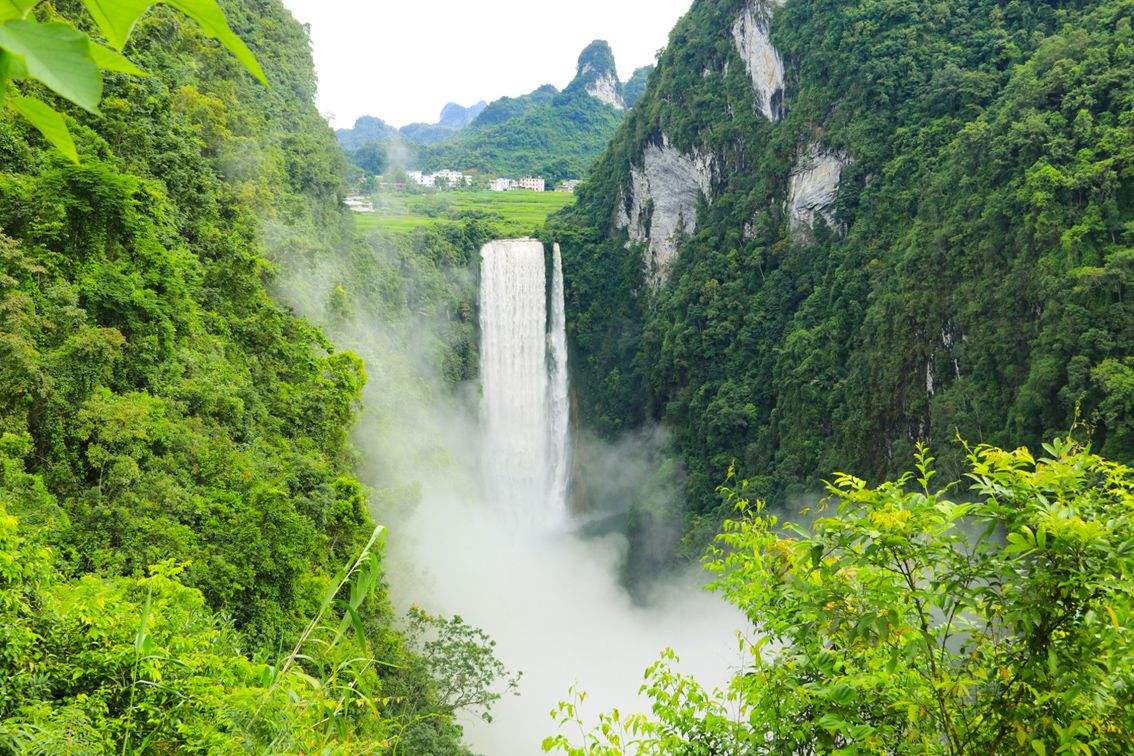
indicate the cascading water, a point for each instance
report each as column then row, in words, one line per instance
column 523, row 365
column 559, row 404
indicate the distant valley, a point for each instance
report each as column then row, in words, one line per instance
column 548, row 132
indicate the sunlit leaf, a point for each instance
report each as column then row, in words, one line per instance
column 49, row 122
column 211, row 19
column 12, row 67
column 112, row 60
column 57, row 55
column 7, row 72
column 10, row 9
column 116, row 18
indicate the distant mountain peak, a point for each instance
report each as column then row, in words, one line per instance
column 457, row 116
column 598, row 75
column 366, row 129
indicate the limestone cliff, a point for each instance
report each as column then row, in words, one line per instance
column 751, row 31
column 597, row 75
column 829, row 230
column 661, row 204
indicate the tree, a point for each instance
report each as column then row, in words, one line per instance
column 370, row 157
column 901, row 621
column 67, row 61
column 462, row 660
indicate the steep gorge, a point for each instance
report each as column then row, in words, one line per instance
column 813, row 243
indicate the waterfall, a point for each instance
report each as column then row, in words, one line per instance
column 559, row 406
column 523, row 366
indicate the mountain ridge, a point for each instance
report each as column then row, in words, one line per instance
column 547, row 132
column 369, row 129
column 551, row 132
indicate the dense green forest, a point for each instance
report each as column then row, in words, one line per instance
column 919, row 241
column 178, row 507
column 635, row 86
column 971, row 276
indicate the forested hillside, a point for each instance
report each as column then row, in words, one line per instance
column 829, row 230
column 177, row 501
column 545, row 133
column 635, row 87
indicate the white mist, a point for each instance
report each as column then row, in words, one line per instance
column 550, row 599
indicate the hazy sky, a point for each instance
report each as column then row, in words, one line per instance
column 402, row 60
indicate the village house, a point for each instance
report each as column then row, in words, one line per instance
column 421, row 179
column 452, row 178
column 444, row 178
column 359, row 204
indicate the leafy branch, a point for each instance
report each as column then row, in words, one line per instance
column 68, row 62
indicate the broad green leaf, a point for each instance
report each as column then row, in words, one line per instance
column 11, row 67
column 116, row 18
column 7, row 72
column 10, row 9
column 212, row 21
column 49, row 122
column 59, row 56
column 112, row 60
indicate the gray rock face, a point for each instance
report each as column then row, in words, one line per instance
column 814, row 188
column 597, row 75
column 607, row 89
column 662, row 204
column 750, row 32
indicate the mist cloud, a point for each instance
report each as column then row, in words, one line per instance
column 552, row 599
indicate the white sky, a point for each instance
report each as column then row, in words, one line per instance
column 402, row 60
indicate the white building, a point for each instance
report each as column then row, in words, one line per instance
column 445, row 178
column 452, row 178
column 569, row 186
column 533, row 183
column 359, row 204
column 420, row 178
column 502, row 185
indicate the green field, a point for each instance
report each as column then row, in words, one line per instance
column 516, row 213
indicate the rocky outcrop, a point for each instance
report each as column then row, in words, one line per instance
column 598, row 75
column 662, row 202
column 607, row 89
column 814, row 188
column 751, row 34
